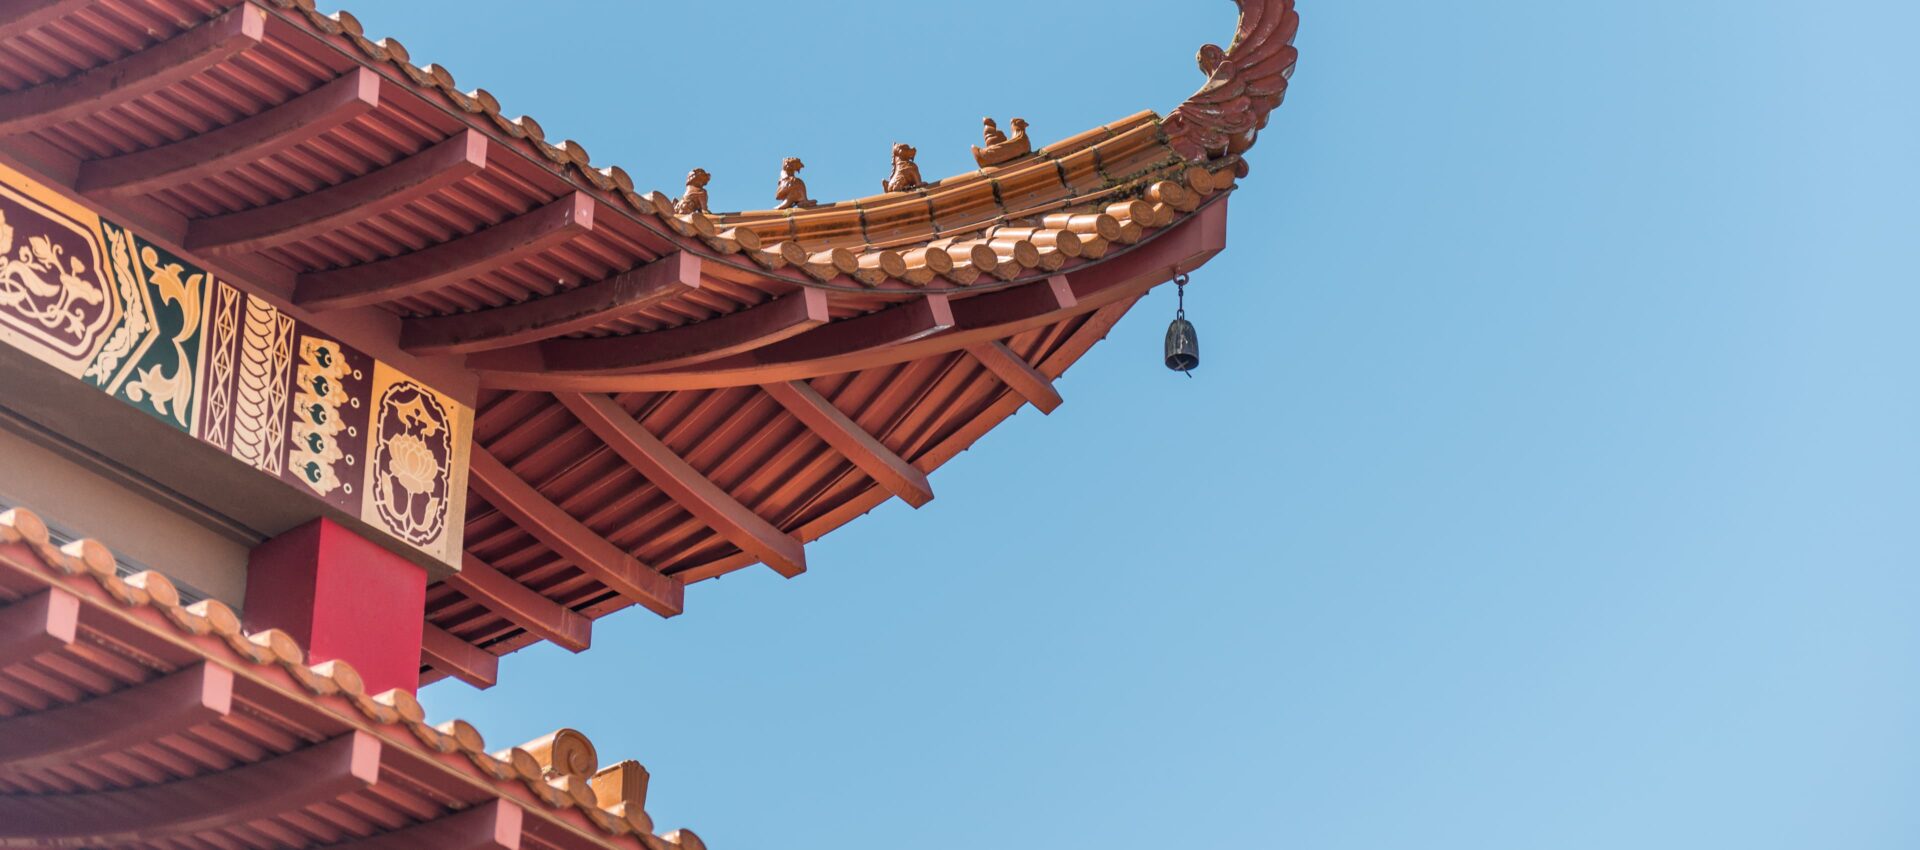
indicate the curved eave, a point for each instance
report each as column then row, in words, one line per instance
column 750, row 381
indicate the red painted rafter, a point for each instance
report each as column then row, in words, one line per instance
column 134, row 76
column 574, row 310
column 169, row 705
column 1093, row 330
column 853, row 442
column 476, row 253
column 25, row 16
column 448, row 654
column 515, row 601
column 493, row 825
column 588, row 551
column 1017, row 374
column 279, row 786
column 325, row 210
column 706, row 500
column 224, row 149
column 37, row 625
column 689, row 345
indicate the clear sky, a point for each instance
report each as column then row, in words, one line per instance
column 1550, row 480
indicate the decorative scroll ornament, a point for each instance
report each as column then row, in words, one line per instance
column 1245, row 83
column 1000, row 148
column 792, row 191
column 49, row 285
column 906, row 173
column 412, row 450
column 695, row 200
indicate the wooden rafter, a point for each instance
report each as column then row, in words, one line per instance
column 137, row 715
column 852, row 441
column 476, row 253
column 133, row 76
column 689, row 345
column 234, row 145
column 1019, row 375
column 838, row 347
column 325, row 210
column 580, row 545
column 25, row 16
column 706, row 500
column 37, row 625
column 494, row 825
column 519, row 603
column 1093, row 330
column 572, row 311
column 449, row 654
column 279, row 786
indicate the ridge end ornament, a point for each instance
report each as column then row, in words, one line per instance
column 1245, row 83
column 1001, row 148
column 695, row 199
column 906, row 172
column 791, row 191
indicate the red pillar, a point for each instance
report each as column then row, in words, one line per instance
column 344, row 598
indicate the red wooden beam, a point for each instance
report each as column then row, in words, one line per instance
column 474, row 254
column 325, row 210
column 687, row 345
column 493, row 825
column 280, row 786
column 19, row 17
column 224, row 149
column 580, row 545
column 1008, row 306
column 449, row 654
column 574, row 310
column 849, row 439
column 706, row 500
column 125, row 718
column 38, row 625
column 1017, row 373
column 917, row 319
column 519, row 603
column 133, row 76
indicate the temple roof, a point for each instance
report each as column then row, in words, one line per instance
column 663, row 395
column 124, row 712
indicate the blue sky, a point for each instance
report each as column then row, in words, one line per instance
column 1550, row 479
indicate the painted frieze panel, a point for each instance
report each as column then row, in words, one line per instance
column 133, row 320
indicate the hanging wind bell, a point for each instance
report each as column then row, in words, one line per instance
column 1183, row 343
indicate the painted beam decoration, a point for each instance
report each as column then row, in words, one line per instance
column 129, row 318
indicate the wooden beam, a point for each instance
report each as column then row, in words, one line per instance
column 493, row 825
column 706, row 500
column 226, row 148
column 279, row 786
column 128, row 717
column 687, row 345
column 449, row 654
column 25, row 16
column 852, row 441
column 38, row 625
column 519, row 603
column 136, row 75
column 580, row 545
column 326, row 210
column 996, row 309
column 904, row 323
column 448, row 262
column 1017, row 373
column 562, row 313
